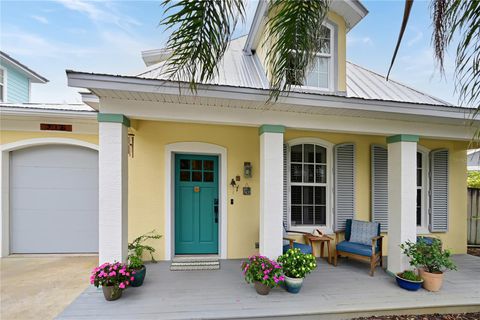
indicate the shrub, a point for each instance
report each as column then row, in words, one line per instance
column 410, row 275
column 137, row 247
column 296, row 264
column 261, row 269
column 473, row 179
column 431, row 257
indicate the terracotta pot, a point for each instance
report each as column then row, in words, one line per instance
column 261, row 288
column 431, row 281
column 111, row 293
column 293, row 285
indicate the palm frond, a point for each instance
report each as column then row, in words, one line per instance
column 202, row 32
column 294, row 37
column 406, row 15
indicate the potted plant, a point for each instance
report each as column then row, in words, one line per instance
column 296, row 265
column 113, row 277
column 262, row 272
column 431, row 261
column 409, row 280
column 135, row 252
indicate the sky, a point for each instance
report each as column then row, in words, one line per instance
column 108, row 37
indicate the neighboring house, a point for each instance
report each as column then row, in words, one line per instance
column 16, row 80
column 473, row 160
column 346, row 143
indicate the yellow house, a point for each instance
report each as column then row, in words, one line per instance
column 220, row 172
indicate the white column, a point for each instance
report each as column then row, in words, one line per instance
column 402, row 193
column 271, row 190
column 113, row 187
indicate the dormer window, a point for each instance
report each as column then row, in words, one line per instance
column 319, row 76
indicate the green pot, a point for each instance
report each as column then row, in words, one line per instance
column 138, row 277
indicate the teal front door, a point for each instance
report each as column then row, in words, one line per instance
column 196, row 204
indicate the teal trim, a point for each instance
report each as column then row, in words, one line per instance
column 113, row 117
column 271, row 128
column 402, row 138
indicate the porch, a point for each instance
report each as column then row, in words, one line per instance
column 329, row 292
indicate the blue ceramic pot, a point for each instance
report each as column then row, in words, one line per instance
column 138, row 277
column 408, row 284
column 293, row 285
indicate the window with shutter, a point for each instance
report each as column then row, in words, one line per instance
column 379, row 172
column 439, row 191
column 285, row 185
column 344, row 172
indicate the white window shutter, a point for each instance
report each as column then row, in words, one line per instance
column 285, row 185
column 344, row 170
column 379, row 173
column 438, row 191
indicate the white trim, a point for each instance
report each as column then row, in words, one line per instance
column 328, row 228
column 5, row 150
column 423, row 228
column 23, row 69
column 4, row 84
column 194, row 148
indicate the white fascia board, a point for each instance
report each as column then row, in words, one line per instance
column 254, row 34
column 25, row 112
column 132, row 84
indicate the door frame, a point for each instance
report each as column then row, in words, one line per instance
column 5, row 150
column 200, row 148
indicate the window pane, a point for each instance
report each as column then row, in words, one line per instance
column 296, row 153
column 184, row 175
column 309, row 153
column 324, row 70
column 208, row 165
column 197, row 176
column 296, row 215
column 324, row 45
column 321, row 173
column 296, row 173
column 320, row 154
column 419, row 177
column 208, row 176
column 184, row 164
column 320, row 215
column 307, row 195
column 296, row 195
column 197, row 164
column 320, row 196
column 419, row 207
column 1, row 76
column 419, row 160
column 308, row 173
column 307, row 214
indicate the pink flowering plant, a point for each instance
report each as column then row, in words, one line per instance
column 114, row 274
column 261, row 269
column 296, row 264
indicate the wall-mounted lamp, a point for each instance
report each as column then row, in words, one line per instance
column 247, row 169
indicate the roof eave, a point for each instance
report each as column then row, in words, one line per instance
column 32, row 75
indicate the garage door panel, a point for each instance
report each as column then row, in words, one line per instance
column 54, row 200
column 57, row 178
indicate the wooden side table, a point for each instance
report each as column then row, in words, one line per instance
column 322, row 239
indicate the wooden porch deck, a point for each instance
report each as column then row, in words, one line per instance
column 328, row 293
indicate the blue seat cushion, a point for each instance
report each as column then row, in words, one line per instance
column 356, row 248
column 304, row 248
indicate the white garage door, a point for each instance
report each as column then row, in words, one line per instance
column 54, row 200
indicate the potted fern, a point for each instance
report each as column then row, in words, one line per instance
column 430, row 260
column 135, row 253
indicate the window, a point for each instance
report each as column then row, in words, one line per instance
column 308, row 185
column 422, row 189
column 2, row 85
column 318, row 75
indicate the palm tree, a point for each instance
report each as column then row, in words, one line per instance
column 204, row 28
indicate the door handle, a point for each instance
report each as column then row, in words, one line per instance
column 215, row 209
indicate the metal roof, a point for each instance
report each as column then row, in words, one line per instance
column 48, row 106
column 239, row 69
